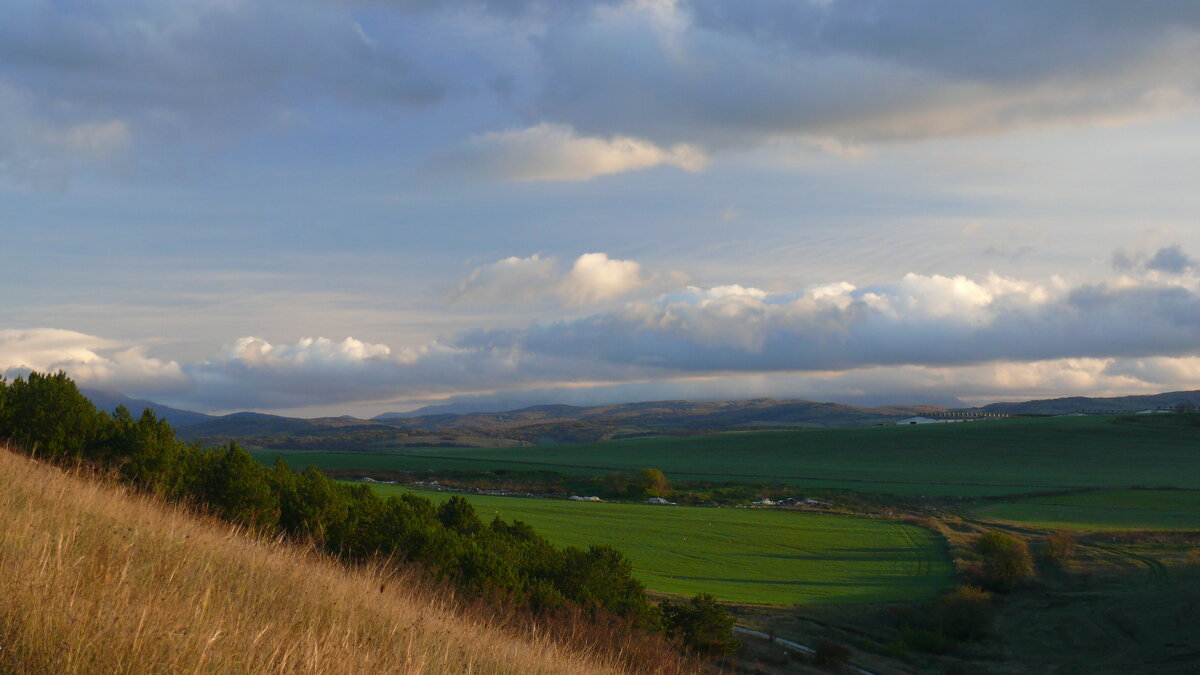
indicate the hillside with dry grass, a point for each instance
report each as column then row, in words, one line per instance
column 95, row 578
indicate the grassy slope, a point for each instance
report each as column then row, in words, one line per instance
column 978, row 458
column 95, row 580
column 1104, row 510
column 743, row 555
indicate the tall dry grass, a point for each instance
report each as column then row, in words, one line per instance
column 95, row 579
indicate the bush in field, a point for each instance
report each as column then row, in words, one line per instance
column 700, row 623
column 1059, row 546
column 653, row 483
column 1005, row 560
column 967, row 613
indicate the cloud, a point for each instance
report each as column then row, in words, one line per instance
column 593, row 278
column 44, row 152
column 553, row 152
column 1166, row 260
column 595, row 88
column 512, row 280
column 92, row 361
column 927, row 320
column 89, row 77
column 597, row 278
column 1171, row 260
column 729, row 72
column 939, row 336
column 929, row 329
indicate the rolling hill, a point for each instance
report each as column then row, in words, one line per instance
column 100, row 580
column 1071, row 404
column 543, row 424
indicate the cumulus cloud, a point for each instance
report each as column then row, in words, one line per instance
column 956, row 335
column 91, row 360
column 974, row 338
column 511, row 280
column 593, row 278
column 553, row 152
column 597, row 278
column 253, row 373
column 930, row 320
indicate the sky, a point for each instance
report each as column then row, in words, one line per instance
column 326, row 207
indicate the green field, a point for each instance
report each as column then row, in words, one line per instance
column 1105, row 510
column 742, row 555
column 1011, row 456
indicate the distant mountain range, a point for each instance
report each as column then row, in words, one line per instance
column 109, row 400
column 565, row 423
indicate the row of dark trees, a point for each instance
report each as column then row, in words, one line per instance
column 46, row 416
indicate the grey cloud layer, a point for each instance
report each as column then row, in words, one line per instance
column 865, row 69
column 172, row 71
column 668, row 80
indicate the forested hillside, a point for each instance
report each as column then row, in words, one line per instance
column 508, row 563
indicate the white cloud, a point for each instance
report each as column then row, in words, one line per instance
column 977, row 338
column 513, row 280
column 552, row 152
column 593, row 278
column 597, row 278
column 92, row 361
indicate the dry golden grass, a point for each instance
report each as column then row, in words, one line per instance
column 95, row 579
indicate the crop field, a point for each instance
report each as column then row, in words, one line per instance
column 1013, row 456
column 742, row 555
column 1104, row 510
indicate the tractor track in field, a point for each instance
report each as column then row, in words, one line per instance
column 1157, row 571
column 924, row 566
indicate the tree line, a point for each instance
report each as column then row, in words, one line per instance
column 44, row 415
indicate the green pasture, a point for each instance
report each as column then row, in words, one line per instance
column 742, row 555
column 1012, row 456
column 1104, row 510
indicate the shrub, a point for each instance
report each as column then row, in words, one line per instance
column 1005, row 560
column 965, row 614
column 1059, row 546
column 701, row 624
column 653, row 483
column 457, row 513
